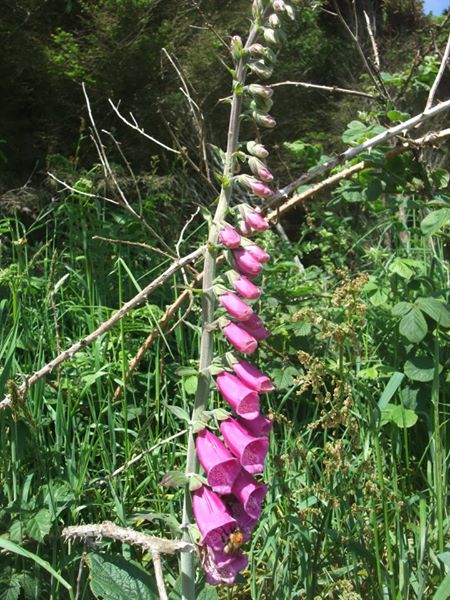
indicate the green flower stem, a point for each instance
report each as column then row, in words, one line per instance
column 208, row 308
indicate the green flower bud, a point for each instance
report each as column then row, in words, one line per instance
column 260, row 68
column 257, row 150
column 237, row 48
column 264, row 119
column 263, row 91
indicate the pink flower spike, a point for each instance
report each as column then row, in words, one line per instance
column 261, row 426
column 245, row 522
column 242, row 399
column 229, row 237
column 220, row 465
column 253, row 377
column 256, row 221
column 258, row 253
column 236, row 307
column 250, row 493
column 221, row 568
column 212, row 517
column 250, row 450
column 246, row 263
column 239, row 338
column 255, row 327
column 246, row 288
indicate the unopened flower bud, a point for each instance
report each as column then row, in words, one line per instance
column 256, row 221
column 229, row 237
column 236, row 47
column 260, row 68
column 253, row 185
column 256, row 50
column 279, row 6
column 259, row 169
column 271, row 36
column 264, row 91
column 261, row 104
column 264, row 119
column 290, row 12
column 274, row 20
column 257, row 150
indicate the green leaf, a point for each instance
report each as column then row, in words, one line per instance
column 301, row 328
column 374, row 190
column 190, row 385
column 39, row 525
column 196, row 481
column 179, row 412
column 396, row 115
column 435, row 309
column 186, row 371
column 115, row 578
column 413, row 325
column 401, row 308
column 379, row 298
column 284, row 378
column 392, row 386
column 443, row 591
column 435, row 221
column 10, row 590
column 208, row 593
column 440, row 178
column 174, row 479
column 400, row 416
column 444, row 557
column 11, row 547
column 404, row 267
column 420, row 368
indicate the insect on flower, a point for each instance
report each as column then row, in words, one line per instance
column 235, row 541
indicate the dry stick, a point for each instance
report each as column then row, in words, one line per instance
column 376, row 55
column 350, row 153
column 439, row 75
column 159, row 576
column 127, row 536
column 104, row 327
column 326, row 88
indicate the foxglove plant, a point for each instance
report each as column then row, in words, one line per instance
column 227, row 505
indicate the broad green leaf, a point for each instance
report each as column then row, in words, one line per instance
column 379, row 298
column 301, row 328
column 420, row 368
column 444, row 557
column 39, row 525
column 190, row 384
column 392, row 386
column 443, row 591
column 396, row 115
column 404, row 267
column 413, row 325
column 401, row 308
column 115, row 578
column 186, row 371
column 208, row 593
column 435, row 221
column 179, row 412
column 435, row 309
column 15, row 549
column 284, row 378
column 440, row 178
column 374, row 190
column 400, row 416
column 174, row 479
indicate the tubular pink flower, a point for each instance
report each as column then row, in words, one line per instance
column 245, row 522
column 236, row 307
column 240, row 397
column 246, row 263
column 220, row 465
column 239, row 338
column 229, row 237
column 255, row 327
column 246, row 288
column 221, row 568
column 256, row 221
column 252, row 377
column 250, row 450
column 250, row 493
column 258, row 253
column 259, row 189
column 213, row 519
column 259, row 169
column 261, row 426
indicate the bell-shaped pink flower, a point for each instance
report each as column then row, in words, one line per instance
column 246, row 288
column 242, row 399
column 229, row 237
column 239, row 338
column 256, row 221
column 251, row 376
column 261, row 426
column 236, row 307
column 258, row 253
column 246, row 523
column 250, row 450
column 212, row 517
column 250, row 493
column 220, row 465
column 246, row 263
column 221, row 568
column 256, row 328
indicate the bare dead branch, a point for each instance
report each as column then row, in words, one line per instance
column 333, row 89
column 159, row 576
column 439, row 75
column 376, row 55
column 126, row 536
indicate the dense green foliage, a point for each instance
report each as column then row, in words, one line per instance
column 358, row 501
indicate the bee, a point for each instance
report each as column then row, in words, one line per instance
column 235, row 541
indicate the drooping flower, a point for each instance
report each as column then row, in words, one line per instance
column 261, row 426
column 254, row 185
column 229, row 237
column 242, row 399
column 251, row 376
column 236, row 307
column 245, row 287
column 212, row 517
column 220, row 567
column 257, row 150
column 256, row 328
column 220, row 465
column 239, row 338
column 250, row 493
column 250, row 450
column 256, row 221
column 259, row 169
column 246, row 263
column 258, row 253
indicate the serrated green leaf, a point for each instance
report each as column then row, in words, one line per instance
column 401, row 308
column 174, row 479
column 435, row 221
column 284, row 378
column 39, row 525
column 420, row 368
column 115, row 578
column 435, row 309
column 413, row 325
column 396, row 115
column 404, row 267
column 10, row 589
column 301, row 328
